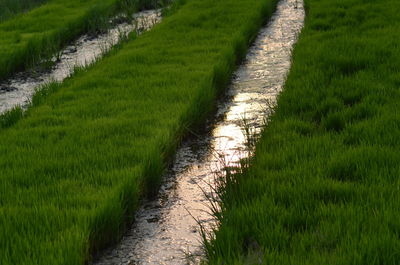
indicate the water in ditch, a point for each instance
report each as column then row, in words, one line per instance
column 19, row 89
column 165, row 230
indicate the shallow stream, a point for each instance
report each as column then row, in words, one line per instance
column 165, row 230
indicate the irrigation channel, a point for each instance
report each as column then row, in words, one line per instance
column 165, row 230
column 19, row 89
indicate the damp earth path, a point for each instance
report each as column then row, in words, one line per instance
column 165, row 230
column 19, row 89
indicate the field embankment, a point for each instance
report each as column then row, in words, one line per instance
column 74, row 167
column 323, row 187
column 29, row 38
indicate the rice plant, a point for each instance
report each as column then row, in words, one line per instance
column 74, row 167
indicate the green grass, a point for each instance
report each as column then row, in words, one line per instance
column 323, row 187
column 9, row 8
column 29, row 38
column 73, row 168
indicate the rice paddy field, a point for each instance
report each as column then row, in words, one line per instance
column 27, row 38
column 74, row 165
column 323, row 187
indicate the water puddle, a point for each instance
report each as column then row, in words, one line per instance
column 165, row 231
column 18, row 90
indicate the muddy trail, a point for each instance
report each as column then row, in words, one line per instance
column 165, row 230
column 19, row 89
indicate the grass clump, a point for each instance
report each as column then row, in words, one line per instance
column 9, row 8
column 10, row 117
column 323, row 185
column 73, row 168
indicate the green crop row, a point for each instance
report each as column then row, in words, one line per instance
column 9, row 8
column 73, row 167
column 323, row 187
